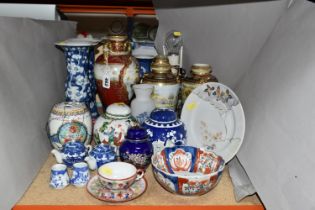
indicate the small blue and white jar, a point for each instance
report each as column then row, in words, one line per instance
column 80, row 175
column 101, row 154
column 164, row 129
column 137, row 149
column 59, row 178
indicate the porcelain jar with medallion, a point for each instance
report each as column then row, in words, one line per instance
column 166, row 85
column 80, row 83
column 111, row 127
column 69, row 121
column 137, row 149
column 164, row 129
column 200, row 74
column 116, row 71
column 100, row 154
column 72, row 152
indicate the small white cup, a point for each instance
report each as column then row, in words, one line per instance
column 80, row 175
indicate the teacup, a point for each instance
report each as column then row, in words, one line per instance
column 80, row 174
column 119, row 175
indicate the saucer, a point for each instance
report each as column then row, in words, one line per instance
column 96, row 189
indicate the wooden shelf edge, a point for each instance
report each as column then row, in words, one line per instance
column 118, row 207
column 126, row 10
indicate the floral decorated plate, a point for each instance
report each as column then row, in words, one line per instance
column 96, row 189
column 214, row 119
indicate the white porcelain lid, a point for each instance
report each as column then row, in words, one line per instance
column 78, row 42
column 118, row 109
column 69, row 108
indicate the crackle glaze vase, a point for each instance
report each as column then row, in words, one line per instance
column 111, row 127
column 164, row 129
column 116, row 71
column 80, row 83
column 137, row 148
column 69, row 121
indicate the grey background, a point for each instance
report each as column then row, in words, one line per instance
column 32, row 75
column 227, row 36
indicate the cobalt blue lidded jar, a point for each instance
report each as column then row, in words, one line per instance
column 137, row 148
column 164, row 129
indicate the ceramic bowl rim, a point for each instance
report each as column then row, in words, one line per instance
column 220, row 168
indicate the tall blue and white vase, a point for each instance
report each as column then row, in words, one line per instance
column 80, row 84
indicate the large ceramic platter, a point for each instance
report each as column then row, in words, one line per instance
column 98, row 191
column 214, row 118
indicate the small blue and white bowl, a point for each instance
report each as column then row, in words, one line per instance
column 164, row 129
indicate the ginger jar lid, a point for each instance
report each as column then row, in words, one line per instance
column 136, row 133
column 72, row 147
column 118, row 110
column 69, row 108
column 163, row 115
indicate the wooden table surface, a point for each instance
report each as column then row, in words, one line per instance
column 40, row 196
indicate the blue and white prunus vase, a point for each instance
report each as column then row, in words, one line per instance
column 164, row 129
column 80, row 83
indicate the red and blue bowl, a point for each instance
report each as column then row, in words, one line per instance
column 187, row 170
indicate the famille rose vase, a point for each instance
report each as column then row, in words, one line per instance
column 111, row 127
column 164, row 129
column 69, row 121
column 80, row 83
column 116, row 71
column 137, row 148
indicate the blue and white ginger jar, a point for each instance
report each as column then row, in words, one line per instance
column 164, row 129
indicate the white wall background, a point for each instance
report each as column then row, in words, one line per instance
column 35, row 11
column 227, row 36
column 32, row 75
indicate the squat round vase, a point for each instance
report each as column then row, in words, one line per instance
column 111, row 127
column 137, row 149
column 116, row 71
column 143, row 104
column 164, row 129
column 69, row 121
column 80, row 83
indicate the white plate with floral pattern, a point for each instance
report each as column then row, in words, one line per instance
column 214, row 118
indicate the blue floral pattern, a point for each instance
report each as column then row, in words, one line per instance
column 80, row 84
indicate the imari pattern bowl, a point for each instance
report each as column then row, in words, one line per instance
column 187, row 170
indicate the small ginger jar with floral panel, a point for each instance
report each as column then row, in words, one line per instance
column 111, row 127
column 137, row 149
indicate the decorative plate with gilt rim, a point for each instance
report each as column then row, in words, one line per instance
column 98, row 191
column 214, row 119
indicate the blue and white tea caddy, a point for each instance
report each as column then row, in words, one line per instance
column 71, row 152
column 100, row 154
column 164, row 129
